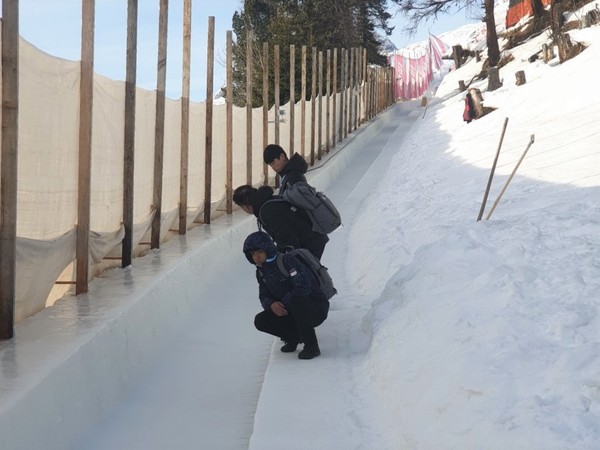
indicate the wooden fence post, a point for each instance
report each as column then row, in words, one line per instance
column 159, row 130
column 129, row 133
column 313, row 103
column 10, row 142
column 292, row 99
column 185, row 116
column 229, row 123
column 320, row 106
column 276, row 104
column 265, row 108
column 328, row 97
column 334, row 92
column 210, row 61
column 303, row 105
column 86, row 90
column 249, row 107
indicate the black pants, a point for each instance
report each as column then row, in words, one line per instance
column 316, row 244
column 298, row 326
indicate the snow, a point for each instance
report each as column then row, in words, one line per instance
column 447, row 333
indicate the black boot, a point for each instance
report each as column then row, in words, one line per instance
column 289, row 347
column 309, row 352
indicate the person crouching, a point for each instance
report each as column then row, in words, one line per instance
column 293, row 304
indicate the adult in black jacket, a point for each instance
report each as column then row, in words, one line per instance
column 289, row 226
column 293, row 304
column 290, row 170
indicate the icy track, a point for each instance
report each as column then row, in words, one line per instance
column 164, row 355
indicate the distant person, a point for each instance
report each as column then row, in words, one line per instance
column 293, row 305
column 289, row 226
column 290, row 170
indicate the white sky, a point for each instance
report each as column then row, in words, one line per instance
column 55, row 27
column 447, row 333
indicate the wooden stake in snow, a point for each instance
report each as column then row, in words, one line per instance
column 489, row 184
column 531, row 140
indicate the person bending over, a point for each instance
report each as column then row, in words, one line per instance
column 289, row 226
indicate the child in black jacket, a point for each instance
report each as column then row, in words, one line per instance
column 293, row 305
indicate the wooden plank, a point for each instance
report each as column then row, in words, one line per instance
column 185, row 116
column 8, row 169
column 351, row 91
column 342, row 95
column 334, row 91
column 129, row 132
column 276, row 93
column 292, row 148
column 328, row 97
column 265, row 109
column 303, row 104
column 249, row 107
column 86, row 91
column 229, row 123
column 210, row 65
column 313, row 104
column 159, row 126
column 320, row 106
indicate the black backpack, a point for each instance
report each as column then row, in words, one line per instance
column 314, row 265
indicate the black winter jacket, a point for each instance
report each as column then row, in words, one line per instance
column 293, row 172
column 273, row 285
column 289, row 226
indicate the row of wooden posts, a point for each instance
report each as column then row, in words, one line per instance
column 364, row 91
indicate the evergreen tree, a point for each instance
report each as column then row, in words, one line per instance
column 324, row 24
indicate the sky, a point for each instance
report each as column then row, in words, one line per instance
column 55, row 27
column 448, row 332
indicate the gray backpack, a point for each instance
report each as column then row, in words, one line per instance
column 323, row 214
column 314, row 265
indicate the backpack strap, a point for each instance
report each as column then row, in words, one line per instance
column 280, row 265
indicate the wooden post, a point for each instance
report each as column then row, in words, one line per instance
column 276, row 92
column 210, row 62
column 159, row 130
column 334, row 91
column 351, row 91
column 129, row 133
column 341, row 134
column 477, row 102
column 328, row 97
column 292, row 99
column 265, row 108
column 507, row 182
column 9, row 167
column 86, row 90
column 249, row 107
column 185, row 116
column 229, row 123
column 320, row 106
column 365, row 85
column 313, row 101
column 303, row 105
column 457, row 53
column 347, row 88
column 489, row 184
